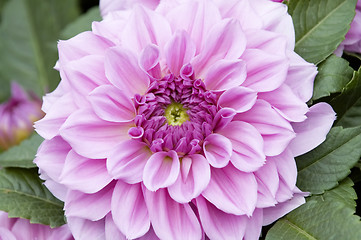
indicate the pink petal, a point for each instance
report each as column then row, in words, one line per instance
column 218, row 224
column 271, row 214
column 223, row 117
column 128, row 160
column 171, row 220
column 48, row 127
column 179, row 51
column 84, row 75
column 149, row 61
column 267, row 41
column 268, row 183
column 294, row 109
column 265, row 71
column 225, row 74
column 51, row 155
column 90, row 136
column 217, row 150
column 161, row 170
column 232, row 191
column 239, row 98
column 112, row 104
column 241, row 10
column 78, row 204
column 111, row 230
column 122, row 69
column 275, row 130
column 247, row 151
column 107, row 6
column 226, row 41
column 145, row 27
column 83, row 44
column 83, row 174
column 197, row 18
column 301, row 76
column 129, row 210
column 286, row 168
column 194, row 177
column 84, row 229
column 254, row 225
column 312, row 131
column 6, row 234
column 150, row 235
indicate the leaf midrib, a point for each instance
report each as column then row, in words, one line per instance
column 318, row 24
column 298, row 229
column 8, row 190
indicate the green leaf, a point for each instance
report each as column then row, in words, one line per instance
column 327, row 217
column 23, row 195
column 29, row 32
column 320, row 26
column 348, row 104
column 81, row 24
column 333, row 74
column 323, row 167
column 23, row 154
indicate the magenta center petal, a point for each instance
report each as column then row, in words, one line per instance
column 176, row 113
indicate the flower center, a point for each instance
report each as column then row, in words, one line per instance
column 176, row 114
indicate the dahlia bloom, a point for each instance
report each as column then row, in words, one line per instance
column 180, row 122
column 22, row 229
column 352, row 42
column 17, row 116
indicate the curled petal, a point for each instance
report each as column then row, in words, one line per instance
column 232, row 191
column 149, row 61
column 162, row 211
column 128, row 160
column 161, row 170
column 222, row 118
column 129, row 211
column 247, row 146
column 194, row 177
column 312, row 131
column 217, row 150
column 112, row 104
column 239, row 98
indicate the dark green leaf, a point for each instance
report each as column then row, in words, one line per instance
column 323, row 167
column 333, row 74
column 81, row 24
column 23, row 154
column 348, row 104
column 22, row 194
column 29, row 32
column 320, row 26
column 326, row 217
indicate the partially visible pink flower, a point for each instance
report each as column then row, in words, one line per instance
column 17, row 116
column 352, row 42
column 22, row 229
column 180, row 122
column 107, row 6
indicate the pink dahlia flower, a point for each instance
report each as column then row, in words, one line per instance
column 180, row 122
column 22, row 229
column 352, row 42
column 17, row 116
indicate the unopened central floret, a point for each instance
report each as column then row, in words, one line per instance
column 175, row 114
